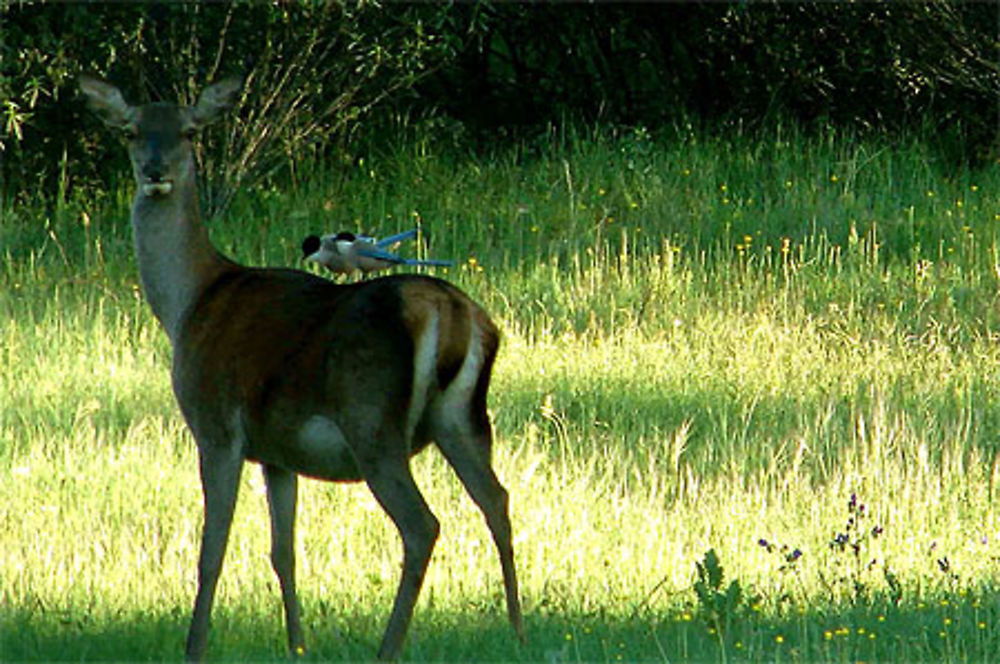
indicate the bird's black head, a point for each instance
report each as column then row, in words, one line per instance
column 310, row 246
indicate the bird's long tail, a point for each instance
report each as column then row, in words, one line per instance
column 430, row 262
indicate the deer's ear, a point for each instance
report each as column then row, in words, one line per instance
column 106, row 100
column 215, row 99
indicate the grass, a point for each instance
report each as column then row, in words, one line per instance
column 711, row 344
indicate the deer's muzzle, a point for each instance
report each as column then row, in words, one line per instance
column 161, row 188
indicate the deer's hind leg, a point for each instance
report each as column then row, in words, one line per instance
column 382, row 452
column 392, row 484
column 466, row 444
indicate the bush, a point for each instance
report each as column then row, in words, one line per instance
column 312, row 70
column 877, row 67
column 315, row 70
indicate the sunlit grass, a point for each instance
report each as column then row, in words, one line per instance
column 706, row 345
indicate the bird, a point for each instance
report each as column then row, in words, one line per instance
column 346, row 253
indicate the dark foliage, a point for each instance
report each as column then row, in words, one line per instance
column 870, row 66
column 316, row 70
column 313, row 71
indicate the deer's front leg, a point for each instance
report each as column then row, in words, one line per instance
column 282, row 487
column 220, row 476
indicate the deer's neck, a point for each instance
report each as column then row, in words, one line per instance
column 176, row 259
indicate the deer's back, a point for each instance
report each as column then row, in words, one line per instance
column 269, row 351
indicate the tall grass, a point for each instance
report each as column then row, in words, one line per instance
column 709, row 342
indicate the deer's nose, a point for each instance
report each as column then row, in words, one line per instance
column 154, row 173
column 154, row 169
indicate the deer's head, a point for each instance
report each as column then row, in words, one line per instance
column 159, row 134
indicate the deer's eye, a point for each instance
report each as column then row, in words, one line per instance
column 189, row 133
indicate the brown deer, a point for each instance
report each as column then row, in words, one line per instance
column 304, row 376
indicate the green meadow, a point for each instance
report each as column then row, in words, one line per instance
column 747, row 408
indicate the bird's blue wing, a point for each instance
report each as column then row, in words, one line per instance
column 396, row 239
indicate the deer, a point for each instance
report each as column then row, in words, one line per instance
column 304, row 376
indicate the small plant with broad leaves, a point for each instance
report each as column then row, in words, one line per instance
column 718, row 606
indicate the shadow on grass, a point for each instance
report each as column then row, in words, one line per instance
column 950, row 629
